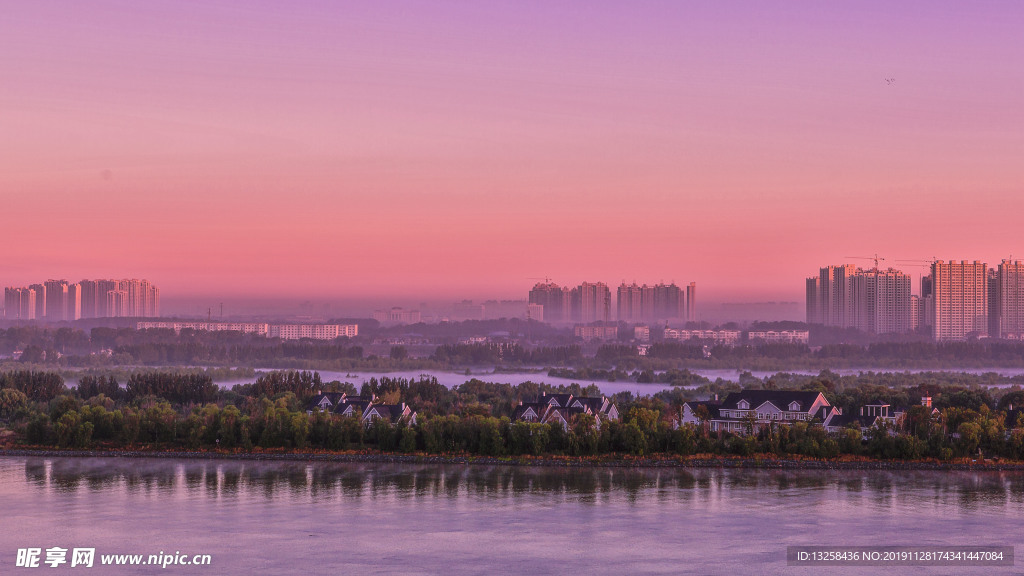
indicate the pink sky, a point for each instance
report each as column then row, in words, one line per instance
column 326, row 149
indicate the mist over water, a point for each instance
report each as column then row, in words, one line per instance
column 290, row 517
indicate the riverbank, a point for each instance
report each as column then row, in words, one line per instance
column 620, row 461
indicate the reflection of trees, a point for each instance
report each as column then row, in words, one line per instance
column 337, row 482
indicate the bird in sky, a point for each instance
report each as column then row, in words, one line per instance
column 890, row 81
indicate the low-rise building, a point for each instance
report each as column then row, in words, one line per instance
column 758, row 407
column 596, row 332
column 779, row 336
column 564, row 408
column 391, row 413
column 727, row 337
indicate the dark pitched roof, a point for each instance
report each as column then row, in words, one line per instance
column 844, row 420
column 358, row 407
column 594, row 404
column 780, row 398
column 538, row 408
column 332, row 397
column 712, row 406
column 390, row 411
column 562, row 399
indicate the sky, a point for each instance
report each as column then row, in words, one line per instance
column 433, row 149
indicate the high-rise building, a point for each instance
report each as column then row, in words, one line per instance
column 59, row 300
column 56, row 300
column 645, row 303
column 88, row 291
column 961, row 299
column 20, row 303
column 73, row 303
column 1010, row 299
column 834, row 295
column 874, row 301
column 916, row 312
column 40, row 290
column 813, row 309
column 629, row 301
column 117, row 304
column 591, row 302
column 927, row 303
column 691, row 301
column 554, row 299
column 992, row 287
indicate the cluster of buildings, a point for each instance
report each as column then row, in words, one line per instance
column 957, row 300
column 397, row 315
column 283, row 331
column 741, row 411
column 60, row 300
column 734, row 337
column 562, row 409
column 592, row 302
column 366, row 408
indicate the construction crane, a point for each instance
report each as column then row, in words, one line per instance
column 876, row 259
column 921, row 263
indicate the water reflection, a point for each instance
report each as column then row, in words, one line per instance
column 321, row 481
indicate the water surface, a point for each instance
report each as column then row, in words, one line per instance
column 327, row 518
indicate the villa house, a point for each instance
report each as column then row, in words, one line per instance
column 871, row 415
column 354, row 405
column 692, row 412
column 530, row 411
column 324, row 402
column 391, row 413
column 598, row 406
column 767, row 407
column 563, row 409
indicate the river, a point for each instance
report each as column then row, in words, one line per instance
column 451, row 379
column 338, row 518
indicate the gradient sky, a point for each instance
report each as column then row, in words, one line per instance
column 460, row 149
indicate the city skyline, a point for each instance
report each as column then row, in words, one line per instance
column 362, row 151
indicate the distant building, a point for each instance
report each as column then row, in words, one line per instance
column 642, row 333
column 20, row 303
column 779, row 336
column 313, row 331
column 1010, row 299
column 874, row 301
column 535, row 312
column 56, row 300
column 813, row 309
column 727, row 337
column 60, row 300
column 283, row 331
column 960, row 300
column 259, row 328
column 691, row 301
column 596, row 332
column 397, row 315
column 466, row 310
column 553, row 299
column 591, row 302
column 40, row 290
column 660, row 302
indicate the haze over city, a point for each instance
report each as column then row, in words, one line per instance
column 418, row 151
